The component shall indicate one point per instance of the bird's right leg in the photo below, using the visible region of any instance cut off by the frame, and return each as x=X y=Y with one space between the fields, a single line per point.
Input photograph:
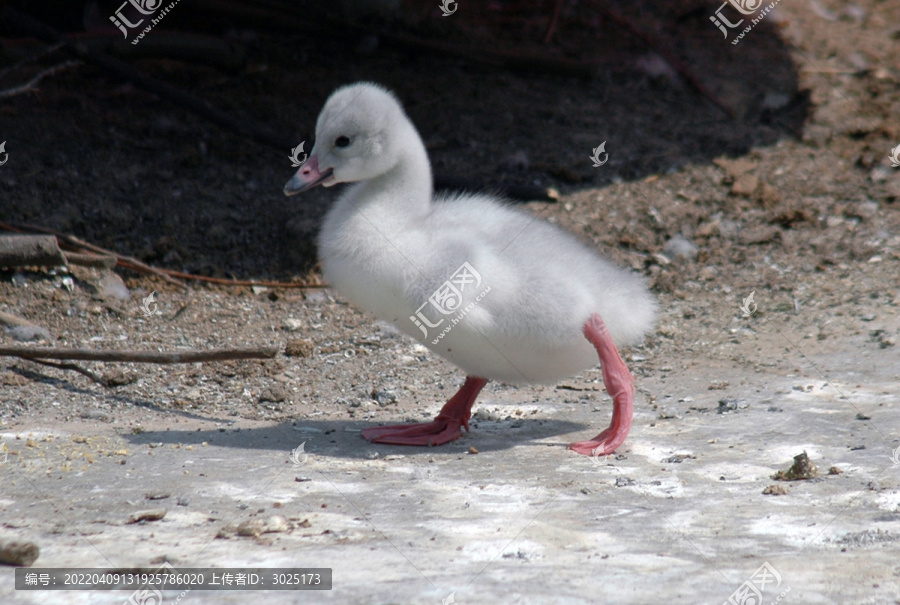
x=619 y=384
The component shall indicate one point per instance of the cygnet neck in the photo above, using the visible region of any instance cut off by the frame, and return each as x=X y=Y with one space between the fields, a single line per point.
x=407 y=186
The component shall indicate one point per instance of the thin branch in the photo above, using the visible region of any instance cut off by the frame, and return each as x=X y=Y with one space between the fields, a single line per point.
x=23 y=329
x=676 y=63
x=34 y=57
x=222 y=281
x=91 y=260
x=36 y=353
x=15 y=320
x=553 y=21
x=73 y=367
x=31 y=85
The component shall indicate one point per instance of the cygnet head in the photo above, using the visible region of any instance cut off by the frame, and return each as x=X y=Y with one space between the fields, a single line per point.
x=361 y=134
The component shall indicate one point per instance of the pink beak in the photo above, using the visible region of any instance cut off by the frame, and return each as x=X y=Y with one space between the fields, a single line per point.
x=307 y=177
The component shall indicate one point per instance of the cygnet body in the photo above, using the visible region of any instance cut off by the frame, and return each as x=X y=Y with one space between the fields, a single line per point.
x=501 y=294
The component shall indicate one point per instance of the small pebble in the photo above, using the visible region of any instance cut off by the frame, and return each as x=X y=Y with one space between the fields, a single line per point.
x=22 y=554
x=276 y=524
x=276 y=394
x=384 y=397
x=298 y=347
x=147 y=515
x=729 y=404
x=292 y=325
x=253 y=528
x=680 y=248
x=801 y=469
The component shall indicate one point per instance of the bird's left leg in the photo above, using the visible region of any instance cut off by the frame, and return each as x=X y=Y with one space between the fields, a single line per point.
x=445 y=428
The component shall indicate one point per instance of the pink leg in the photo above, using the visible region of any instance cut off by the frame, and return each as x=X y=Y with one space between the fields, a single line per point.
x=443 y=429
x=619 y=384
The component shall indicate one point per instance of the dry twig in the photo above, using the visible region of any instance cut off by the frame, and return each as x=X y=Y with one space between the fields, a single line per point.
x=557 y=9
x=42 y=354
x=31 y=85
x=43 y=251
x=159 y=357
x=676 y=63
x=15 y=320
x=105 y=261
x=74 y=368
x=22 y=329
x=44 y=52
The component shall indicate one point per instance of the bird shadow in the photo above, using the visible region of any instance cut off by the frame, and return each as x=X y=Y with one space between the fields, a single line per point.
x=342 y=439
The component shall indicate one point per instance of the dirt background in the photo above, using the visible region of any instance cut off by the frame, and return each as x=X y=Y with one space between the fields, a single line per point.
x=782 y=187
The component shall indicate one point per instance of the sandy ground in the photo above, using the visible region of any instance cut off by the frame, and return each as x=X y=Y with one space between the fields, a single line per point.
x=686 y=512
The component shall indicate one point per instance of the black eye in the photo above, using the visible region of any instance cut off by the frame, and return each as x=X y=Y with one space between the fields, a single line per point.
x=342 y=141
